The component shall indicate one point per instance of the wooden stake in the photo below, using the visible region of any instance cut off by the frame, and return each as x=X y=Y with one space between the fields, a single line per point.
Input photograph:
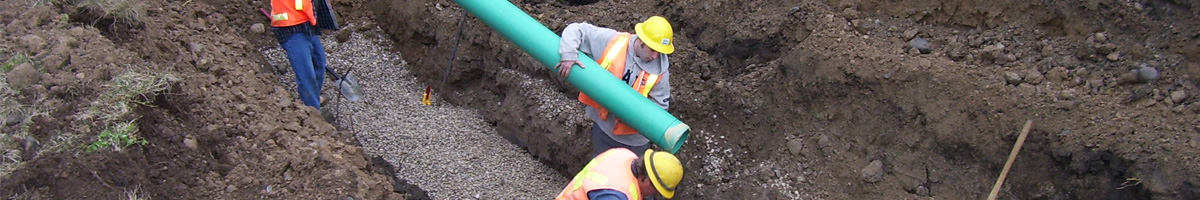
x=1011 y=156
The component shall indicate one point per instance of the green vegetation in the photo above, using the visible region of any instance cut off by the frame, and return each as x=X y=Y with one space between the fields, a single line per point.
x=118 y=101
x=118 y=137
x=16 y=59
x=10 y=146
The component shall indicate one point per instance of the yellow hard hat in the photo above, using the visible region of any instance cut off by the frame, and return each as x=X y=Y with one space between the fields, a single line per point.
x=656 y=32
x=665 y=171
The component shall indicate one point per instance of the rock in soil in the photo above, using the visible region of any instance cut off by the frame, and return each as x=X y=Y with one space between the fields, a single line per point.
x=920 y=44
x=1012 y=78
x=795 y=146
x=13 y=119
x=258 y=28
x=1178 y=96
x=1146 y=74
x=873 y=172
x=1034 y=77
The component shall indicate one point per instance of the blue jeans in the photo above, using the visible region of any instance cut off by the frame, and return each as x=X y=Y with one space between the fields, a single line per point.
x=307 y=56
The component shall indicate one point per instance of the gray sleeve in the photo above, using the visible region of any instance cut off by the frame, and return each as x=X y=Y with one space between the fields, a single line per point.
x=661 y=92
x=583 y=37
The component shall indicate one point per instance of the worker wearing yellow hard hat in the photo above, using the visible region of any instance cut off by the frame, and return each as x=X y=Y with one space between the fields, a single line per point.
x=621 y=174
x=639 y=59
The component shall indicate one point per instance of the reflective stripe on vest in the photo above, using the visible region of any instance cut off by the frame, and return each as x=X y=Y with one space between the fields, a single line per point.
x=286 y=13
x=611 y=53
x=613 y=59
x=612 y=165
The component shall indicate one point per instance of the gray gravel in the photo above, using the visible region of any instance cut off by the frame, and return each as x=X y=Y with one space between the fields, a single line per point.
x=451 y=152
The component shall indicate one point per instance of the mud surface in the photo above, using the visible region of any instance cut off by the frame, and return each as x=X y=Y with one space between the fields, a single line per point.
x=825 y=100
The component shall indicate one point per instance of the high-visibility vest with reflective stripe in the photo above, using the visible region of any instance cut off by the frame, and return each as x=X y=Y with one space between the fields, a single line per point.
x=286 y=13
x=609 y=170
x=613 y=59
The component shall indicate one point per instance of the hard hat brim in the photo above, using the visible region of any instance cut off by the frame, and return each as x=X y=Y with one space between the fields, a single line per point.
x=665 y=49
x=654 y=176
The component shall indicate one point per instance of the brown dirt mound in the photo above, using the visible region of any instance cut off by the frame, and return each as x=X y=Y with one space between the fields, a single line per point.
x=795 y=99
x=225 y=130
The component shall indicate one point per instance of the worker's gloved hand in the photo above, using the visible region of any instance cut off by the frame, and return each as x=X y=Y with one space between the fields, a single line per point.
x=564 y=67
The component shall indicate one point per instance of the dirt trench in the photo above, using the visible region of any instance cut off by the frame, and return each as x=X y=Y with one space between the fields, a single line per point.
x=795 y=100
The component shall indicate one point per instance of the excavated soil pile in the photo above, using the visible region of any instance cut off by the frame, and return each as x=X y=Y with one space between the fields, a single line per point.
x=223 y=128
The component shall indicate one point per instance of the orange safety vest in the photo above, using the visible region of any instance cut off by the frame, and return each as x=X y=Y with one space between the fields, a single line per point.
x=286 y=13
x=613 y=59
x=610 y=170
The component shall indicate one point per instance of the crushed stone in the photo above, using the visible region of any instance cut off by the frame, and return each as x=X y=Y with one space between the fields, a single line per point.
x=451 y=152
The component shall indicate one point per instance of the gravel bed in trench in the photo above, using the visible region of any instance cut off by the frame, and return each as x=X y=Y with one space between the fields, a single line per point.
x=449 y=151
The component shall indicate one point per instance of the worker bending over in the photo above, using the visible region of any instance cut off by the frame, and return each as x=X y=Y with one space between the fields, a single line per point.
x=619 y=174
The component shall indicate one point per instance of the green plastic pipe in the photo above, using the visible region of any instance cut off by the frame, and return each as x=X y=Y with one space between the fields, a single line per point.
x=652 y=121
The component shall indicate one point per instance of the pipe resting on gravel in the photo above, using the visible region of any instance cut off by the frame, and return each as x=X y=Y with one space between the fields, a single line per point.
x=652 y=121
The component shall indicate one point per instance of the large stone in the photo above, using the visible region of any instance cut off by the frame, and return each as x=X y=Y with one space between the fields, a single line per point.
x=1178 y=96
x=190 y=143
x=1146 y=74
x=1012 y=78
x=1034 y=77
x=258 y=28
x=920 y=44
x=910 y=33
x=873 y=172
x=23 y=76
x=796 y=146
x=1101 y=37
x=1114 y=56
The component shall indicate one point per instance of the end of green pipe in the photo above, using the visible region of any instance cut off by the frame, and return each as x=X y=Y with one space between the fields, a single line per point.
x=675 y=136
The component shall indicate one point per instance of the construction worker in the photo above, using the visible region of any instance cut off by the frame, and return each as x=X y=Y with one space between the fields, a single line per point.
x=294 y=24
x=619 y=174
x=638 y=59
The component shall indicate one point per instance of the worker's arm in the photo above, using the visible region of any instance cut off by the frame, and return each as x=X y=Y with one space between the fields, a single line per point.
x=581 y=37
x=606 y=194
x=661 y=92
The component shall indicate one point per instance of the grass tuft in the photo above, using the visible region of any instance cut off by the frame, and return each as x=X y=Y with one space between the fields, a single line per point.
x=127 y=89
x=124 y=93
x=129 y=10
x=135 y=194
